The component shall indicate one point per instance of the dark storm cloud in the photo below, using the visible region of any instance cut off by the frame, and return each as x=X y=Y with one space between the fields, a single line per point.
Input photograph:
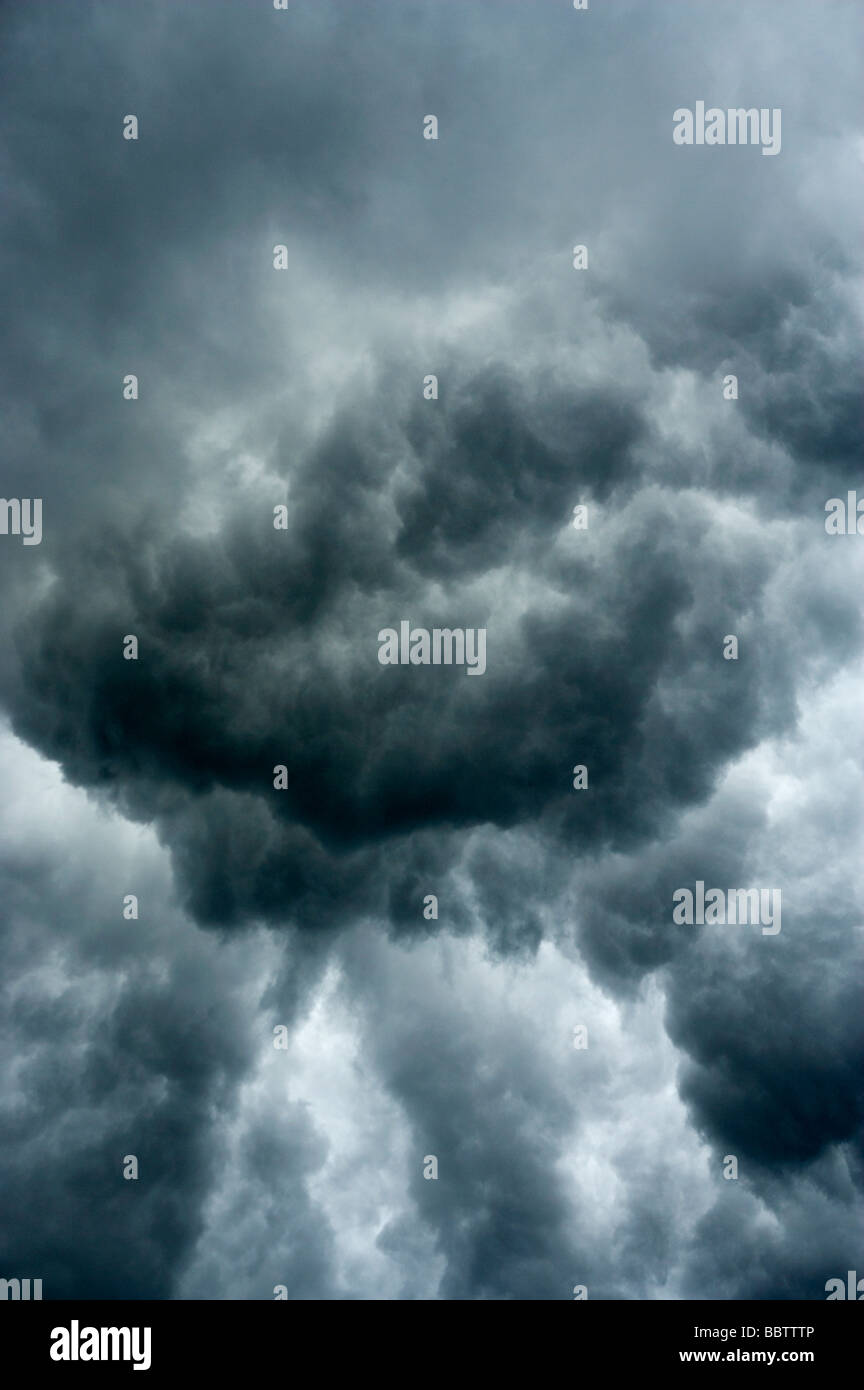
x=130 y=1037
x=770 y=1039
x=498 y=1213
x=534 y=455
x=775 y=1060
x=477 y=1094
x=107 y=1063
x=813 y=1237
x=259 y=647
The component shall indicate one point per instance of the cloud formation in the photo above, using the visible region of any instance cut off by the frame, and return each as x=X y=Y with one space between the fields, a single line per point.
x=258 y=647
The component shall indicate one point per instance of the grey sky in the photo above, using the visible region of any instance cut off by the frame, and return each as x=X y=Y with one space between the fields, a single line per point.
x=259 y=647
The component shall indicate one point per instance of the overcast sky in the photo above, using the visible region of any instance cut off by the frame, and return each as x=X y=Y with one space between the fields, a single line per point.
x=409 y=1037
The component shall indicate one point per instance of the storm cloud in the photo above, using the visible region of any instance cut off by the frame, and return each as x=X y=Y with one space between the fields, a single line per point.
x=411 y=1035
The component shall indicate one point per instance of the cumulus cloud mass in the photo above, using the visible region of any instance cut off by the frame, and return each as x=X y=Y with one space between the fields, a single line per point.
x=288 y=1032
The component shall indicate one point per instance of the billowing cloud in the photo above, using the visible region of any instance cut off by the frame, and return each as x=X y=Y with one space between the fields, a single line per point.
x=258 y=647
